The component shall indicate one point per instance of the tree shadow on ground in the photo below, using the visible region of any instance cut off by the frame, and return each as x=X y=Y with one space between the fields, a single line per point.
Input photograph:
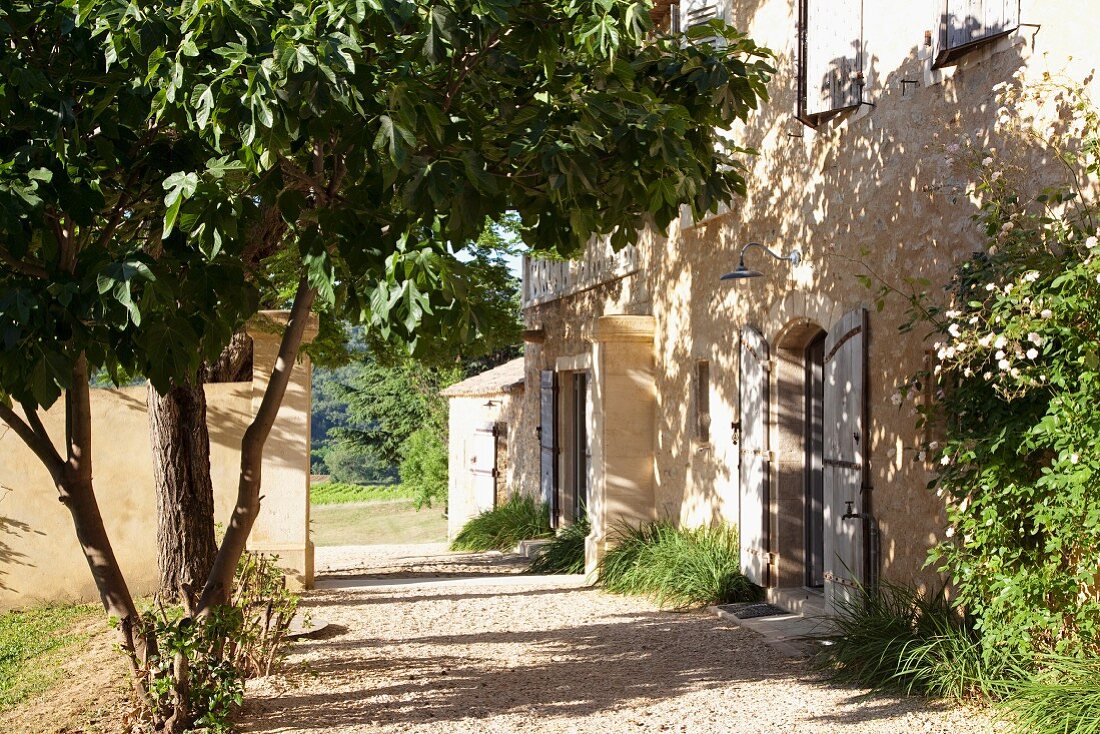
x=572 y=671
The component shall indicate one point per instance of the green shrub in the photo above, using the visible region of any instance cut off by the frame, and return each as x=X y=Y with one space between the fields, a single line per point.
x=424 y=466
x=207 y=660
x=565 y=553
x=353 y=463
x=1016 y=379
x=503 y=527
x=901 y=638
x=338 y=493
x=678 y=567
x=1063 y=699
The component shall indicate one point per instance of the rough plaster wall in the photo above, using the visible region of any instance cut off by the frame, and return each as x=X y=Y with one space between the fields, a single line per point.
x=40 y=559
x=874 y=189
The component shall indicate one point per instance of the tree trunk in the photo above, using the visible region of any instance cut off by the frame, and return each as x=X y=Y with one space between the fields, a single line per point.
x=180 y=440
x=185 y=495
x=219 y=584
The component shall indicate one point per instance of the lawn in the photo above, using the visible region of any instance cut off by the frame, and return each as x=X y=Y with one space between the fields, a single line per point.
x=377 y=523
x=33 y=643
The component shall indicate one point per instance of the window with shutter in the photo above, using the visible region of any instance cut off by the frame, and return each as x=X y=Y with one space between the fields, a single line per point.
x=702 y=401
x=968 y=24
x=830 y=58
x=695 y=13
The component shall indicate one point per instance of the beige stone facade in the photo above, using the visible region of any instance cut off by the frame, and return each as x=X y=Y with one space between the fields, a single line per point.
x=869 y=190
x=40 y=560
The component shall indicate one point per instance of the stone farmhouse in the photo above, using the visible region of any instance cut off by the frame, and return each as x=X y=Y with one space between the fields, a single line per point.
x=657 y=389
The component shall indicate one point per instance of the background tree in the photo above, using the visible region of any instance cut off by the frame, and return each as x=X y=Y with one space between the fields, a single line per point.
x=374 y=137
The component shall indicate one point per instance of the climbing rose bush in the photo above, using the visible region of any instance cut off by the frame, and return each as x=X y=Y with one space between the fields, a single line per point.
x=1011 y=401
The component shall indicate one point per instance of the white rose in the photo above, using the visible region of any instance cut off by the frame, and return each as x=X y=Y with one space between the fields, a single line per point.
x=1046 y=313
x=1091 y=242
x=1032 y=353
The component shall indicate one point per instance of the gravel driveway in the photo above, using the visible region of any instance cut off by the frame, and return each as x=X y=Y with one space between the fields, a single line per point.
x=463 y=650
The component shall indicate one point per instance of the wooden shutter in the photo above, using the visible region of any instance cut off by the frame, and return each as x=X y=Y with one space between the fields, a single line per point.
x=831 y=63
x=698 y=12
x=483 y=467
x=965 y=24
x=548 y=441
x=845 y=438
x=753 y=462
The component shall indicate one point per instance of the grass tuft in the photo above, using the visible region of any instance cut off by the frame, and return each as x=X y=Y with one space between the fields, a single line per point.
x=904 y=639
x=678 y=567
x=1064 y=698
x=503 y=527
x=32 y=644
x=338 y=493
x=565 y=553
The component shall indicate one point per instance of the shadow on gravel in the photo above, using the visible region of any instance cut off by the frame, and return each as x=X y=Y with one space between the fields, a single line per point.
x=653 y=656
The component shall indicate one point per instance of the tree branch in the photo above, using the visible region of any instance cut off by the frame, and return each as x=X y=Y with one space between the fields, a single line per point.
x=42 y=447
x=23 y=268
x=219 y=583
x=35 y=421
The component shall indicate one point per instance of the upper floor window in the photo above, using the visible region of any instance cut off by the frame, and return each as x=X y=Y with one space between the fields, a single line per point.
x=830 y=58
x=968 y=24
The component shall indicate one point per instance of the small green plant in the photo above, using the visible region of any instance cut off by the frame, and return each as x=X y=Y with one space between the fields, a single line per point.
x=338 y=493
x=565 y=553
x=901 y=638
x=195 y=667
x=678 y=567
x=1064 y=698
x=503 y=527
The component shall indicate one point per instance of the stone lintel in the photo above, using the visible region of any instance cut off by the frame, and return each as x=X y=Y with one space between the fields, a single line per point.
x=625 y=328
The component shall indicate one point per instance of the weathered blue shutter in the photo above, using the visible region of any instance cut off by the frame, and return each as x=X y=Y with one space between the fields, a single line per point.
x=832 y=56
x=548 y=444
x=845 y=454
x=753 y=463
x=967 y=23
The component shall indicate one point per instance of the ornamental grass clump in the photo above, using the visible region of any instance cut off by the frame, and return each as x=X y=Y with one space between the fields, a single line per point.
x=901 y=638
x=678 y=567
x=1064 y=698
x=565 y=553
x=503 y=527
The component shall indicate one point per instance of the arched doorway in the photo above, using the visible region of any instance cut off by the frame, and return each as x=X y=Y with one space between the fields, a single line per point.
x=797 y=513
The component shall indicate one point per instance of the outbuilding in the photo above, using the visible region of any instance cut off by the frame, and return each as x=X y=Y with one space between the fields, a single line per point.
x=483 y=412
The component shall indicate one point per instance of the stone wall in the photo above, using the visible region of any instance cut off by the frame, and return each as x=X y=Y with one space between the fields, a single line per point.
x=871 y=191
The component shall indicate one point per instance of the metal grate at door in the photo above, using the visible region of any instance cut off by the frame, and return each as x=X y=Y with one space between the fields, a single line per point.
x=751 y=610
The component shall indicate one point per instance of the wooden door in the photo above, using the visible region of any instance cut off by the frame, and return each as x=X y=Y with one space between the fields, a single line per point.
x=483 y=467
x=845 y=454
x=548 y=442
x=753 y=462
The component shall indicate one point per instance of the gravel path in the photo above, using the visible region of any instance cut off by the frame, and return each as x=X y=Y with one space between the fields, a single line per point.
x=544 y=657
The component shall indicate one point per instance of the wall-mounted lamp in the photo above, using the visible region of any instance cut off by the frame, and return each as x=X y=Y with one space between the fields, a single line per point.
x=743 y=272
